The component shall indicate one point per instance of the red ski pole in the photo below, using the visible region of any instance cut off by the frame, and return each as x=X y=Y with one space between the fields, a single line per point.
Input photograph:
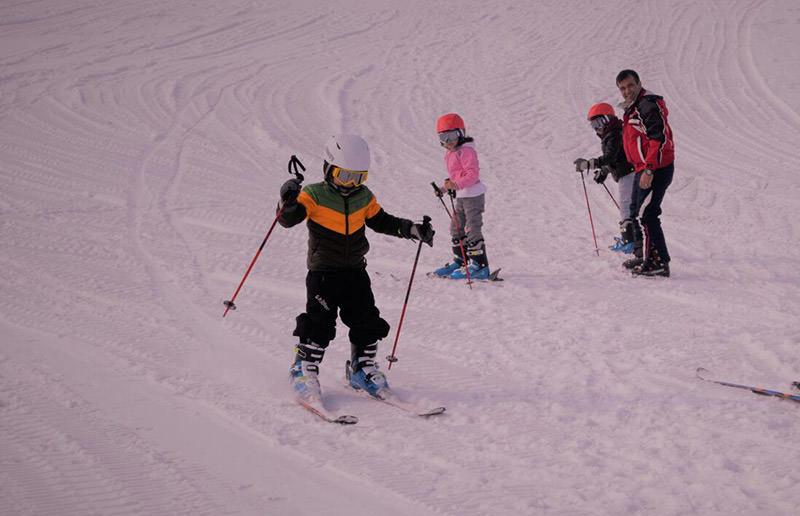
x=454 y=217
x=591 y=221
x=229 y=303
x=439 y=194
x=392 y=358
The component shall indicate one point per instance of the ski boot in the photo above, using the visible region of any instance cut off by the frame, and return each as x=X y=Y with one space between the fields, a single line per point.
x=637 y=257
x=479 y=264
x=303 y=373
x=366 y=376
x=362 y=371
x=304 y=381
x=652 y=267
x=621 y=246
x=476 y=272
x=447 y=269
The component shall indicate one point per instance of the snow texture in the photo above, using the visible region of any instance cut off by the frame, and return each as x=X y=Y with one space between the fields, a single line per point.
x=142 y=146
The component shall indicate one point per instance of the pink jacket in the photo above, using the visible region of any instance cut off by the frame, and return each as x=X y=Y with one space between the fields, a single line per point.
x=464 y=170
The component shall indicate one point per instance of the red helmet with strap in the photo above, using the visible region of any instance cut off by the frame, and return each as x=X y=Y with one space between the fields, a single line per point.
x=603 y=108
x=449 y=122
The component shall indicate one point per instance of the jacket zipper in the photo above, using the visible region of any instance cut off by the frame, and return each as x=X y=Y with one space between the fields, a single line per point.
x=346 y=231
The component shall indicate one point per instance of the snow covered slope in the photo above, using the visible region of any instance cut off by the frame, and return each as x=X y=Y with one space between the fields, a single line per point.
x=142 y=146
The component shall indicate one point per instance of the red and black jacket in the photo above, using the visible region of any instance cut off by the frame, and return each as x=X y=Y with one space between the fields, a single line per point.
x=646 y=134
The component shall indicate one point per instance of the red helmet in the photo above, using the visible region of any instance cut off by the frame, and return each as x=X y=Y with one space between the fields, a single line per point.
x=449 y=122
x=600 y=109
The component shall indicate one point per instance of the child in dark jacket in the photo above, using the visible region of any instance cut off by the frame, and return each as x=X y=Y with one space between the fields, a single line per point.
x=613 y=161
x=337 y=210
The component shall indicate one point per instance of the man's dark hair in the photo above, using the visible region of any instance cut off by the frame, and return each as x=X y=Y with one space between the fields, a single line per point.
x=624 y=74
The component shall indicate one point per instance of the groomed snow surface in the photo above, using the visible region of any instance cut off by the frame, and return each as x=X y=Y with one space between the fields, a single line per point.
x=142 y=146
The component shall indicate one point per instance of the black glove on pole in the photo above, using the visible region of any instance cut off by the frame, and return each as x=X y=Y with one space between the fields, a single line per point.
x=293 y=161
x=392 y=358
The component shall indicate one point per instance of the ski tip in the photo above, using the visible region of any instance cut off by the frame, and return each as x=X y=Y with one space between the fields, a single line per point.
x=346 y=420
x=701 y=372
x=433 y=412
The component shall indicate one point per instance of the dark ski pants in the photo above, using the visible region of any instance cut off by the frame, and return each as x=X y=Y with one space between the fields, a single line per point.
x=647 y=206
x=348 y=293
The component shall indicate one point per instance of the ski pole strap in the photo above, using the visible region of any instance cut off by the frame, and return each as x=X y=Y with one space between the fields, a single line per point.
x=294 y=162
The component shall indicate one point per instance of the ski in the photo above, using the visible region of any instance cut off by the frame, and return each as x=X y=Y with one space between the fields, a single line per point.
x=392 y=399
x=341 y=420
x=393 y=402
x=702 y=374
x=493 y=276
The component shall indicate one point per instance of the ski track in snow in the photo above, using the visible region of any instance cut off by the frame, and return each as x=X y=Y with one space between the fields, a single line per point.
x=141 y=153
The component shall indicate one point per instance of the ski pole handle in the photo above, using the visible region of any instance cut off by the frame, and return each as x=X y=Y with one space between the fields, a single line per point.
x=436 y=189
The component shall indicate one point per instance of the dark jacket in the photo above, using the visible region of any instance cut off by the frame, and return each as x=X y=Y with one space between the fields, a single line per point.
x=613 y=160
x=646 y=134
x=336 y=225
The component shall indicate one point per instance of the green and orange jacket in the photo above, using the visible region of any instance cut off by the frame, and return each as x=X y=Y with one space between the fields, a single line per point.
x=336 y=225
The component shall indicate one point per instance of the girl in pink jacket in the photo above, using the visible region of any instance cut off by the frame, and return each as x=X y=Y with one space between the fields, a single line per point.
x=463 y=173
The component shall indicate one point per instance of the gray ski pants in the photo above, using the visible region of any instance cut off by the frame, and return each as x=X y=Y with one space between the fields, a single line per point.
x=469 y=212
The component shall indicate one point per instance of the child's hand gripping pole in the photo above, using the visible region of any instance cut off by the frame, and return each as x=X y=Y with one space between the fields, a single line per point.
x=293 y=162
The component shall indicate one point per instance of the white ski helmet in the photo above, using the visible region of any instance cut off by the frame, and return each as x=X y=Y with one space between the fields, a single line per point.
x=347 y=151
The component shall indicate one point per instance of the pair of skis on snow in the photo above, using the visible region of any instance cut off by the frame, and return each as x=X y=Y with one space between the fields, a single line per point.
x=702 y=374
x=315 y=407
x=386 y=397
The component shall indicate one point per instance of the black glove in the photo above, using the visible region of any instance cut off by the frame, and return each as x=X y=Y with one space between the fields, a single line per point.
x=289 y=191
x=422 y=232
x=586 y=164
x=600 y=175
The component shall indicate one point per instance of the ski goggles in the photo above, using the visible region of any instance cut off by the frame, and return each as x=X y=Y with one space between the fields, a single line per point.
x=599 y=122
x=349 y=177
x=449 y=136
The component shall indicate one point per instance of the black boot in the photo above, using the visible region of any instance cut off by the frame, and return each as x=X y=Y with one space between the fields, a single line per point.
x=653 y=266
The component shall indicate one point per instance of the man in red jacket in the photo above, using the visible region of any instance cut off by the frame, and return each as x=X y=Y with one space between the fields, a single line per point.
x=648 y=144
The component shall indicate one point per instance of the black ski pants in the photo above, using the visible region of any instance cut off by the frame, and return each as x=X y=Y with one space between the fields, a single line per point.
x=647 y=206
x=348 y=293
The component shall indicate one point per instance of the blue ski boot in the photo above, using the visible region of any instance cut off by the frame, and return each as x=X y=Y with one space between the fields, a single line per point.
x=621 y=246
x=476 y=272
x=448 y=268
x=365 y=375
